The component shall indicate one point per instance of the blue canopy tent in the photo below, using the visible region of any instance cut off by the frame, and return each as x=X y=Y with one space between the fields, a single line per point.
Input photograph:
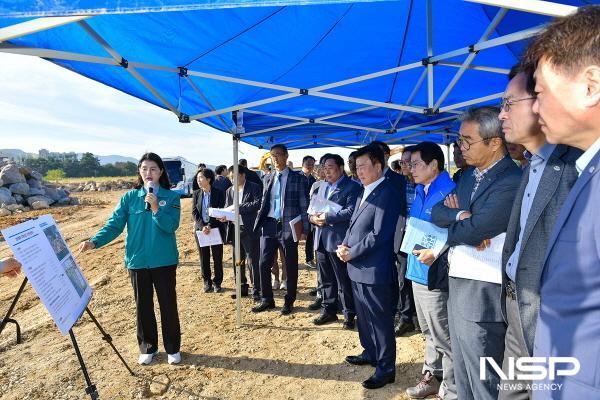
x=306 y=73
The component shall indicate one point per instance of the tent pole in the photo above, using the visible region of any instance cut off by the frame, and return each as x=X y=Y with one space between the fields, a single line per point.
x=429 y=54
x=448 y=153
x=236 y=203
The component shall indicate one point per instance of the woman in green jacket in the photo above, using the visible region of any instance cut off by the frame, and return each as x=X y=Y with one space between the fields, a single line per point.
x=151 y=213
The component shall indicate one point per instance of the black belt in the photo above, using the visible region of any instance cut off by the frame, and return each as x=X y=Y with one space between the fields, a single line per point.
x=511 y=289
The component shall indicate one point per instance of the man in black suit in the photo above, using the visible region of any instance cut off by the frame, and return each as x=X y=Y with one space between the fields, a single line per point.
x=331 y=227
x=221 y=181
x=285 y=197
x=368 y=249
x=251 y=176
x=308 y=167
x=250 y=196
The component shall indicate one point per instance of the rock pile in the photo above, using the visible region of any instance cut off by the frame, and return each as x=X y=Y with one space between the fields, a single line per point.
x=105 y=186
x=22 y=189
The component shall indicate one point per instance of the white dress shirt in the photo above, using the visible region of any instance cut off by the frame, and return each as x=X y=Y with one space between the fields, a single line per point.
x=370 y=187
x=583 y=161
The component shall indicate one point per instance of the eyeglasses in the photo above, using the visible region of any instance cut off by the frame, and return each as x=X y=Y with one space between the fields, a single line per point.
x=506 y=103
x=462 y=142
x=405 y=163
x=415 y=164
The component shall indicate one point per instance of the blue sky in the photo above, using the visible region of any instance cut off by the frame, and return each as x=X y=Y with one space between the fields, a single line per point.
x=45 y=106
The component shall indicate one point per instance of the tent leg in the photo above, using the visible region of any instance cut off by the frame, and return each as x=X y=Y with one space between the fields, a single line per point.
x=448 y=154
x=236 y=224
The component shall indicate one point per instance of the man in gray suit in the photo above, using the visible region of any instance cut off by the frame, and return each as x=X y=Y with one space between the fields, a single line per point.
x=567 y=60
x=546 y=182
x=477 y=210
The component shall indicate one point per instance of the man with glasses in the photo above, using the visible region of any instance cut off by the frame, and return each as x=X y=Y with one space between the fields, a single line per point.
x=285 y=197
x=545 y=185
x=566 y=59
x=406 y=302
x=477 y=210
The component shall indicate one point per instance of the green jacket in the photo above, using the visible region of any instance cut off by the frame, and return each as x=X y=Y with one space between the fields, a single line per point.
x=150 y=240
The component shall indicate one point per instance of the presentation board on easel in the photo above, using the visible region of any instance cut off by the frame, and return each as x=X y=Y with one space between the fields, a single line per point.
x=51 y=269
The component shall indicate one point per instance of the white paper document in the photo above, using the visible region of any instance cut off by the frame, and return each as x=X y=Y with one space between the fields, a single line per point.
x=213 y=238
x=424 y=234
x=320 y=204
x=221 y=212
x=51 y=269
x=486 y=265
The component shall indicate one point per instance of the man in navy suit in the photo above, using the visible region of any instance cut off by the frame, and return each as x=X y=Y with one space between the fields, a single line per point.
x=331 y=227
x=250 y=196
x=368 y=249
x=285 y=197
x=567 y=73
x=221 y=181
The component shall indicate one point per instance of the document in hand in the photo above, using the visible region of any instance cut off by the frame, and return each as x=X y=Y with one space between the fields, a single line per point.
x=221 y=212
x=486 y=265
x=424 y=234
x=320 y=204
x=212 y=239
x=297 y=228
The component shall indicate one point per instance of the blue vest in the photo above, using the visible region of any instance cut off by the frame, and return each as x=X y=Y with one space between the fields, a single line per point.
x=441 y=186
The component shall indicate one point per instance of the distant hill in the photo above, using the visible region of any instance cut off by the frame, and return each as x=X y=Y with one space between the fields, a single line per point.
x=113 y=159
x=18 y=154
x=13 y=153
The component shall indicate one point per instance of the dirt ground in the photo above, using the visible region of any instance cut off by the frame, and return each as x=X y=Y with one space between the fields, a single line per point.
x=269 y=357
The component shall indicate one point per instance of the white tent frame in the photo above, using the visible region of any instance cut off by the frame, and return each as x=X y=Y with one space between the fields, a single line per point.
x=434 y=106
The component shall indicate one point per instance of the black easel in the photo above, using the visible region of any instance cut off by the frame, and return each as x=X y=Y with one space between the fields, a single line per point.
x=4 y=321
x=91 y=388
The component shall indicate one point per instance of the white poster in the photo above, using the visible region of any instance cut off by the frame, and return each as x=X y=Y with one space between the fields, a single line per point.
x=51 y=269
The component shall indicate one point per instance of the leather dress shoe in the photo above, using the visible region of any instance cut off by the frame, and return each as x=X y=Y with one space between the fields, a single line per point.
x=324 y=319
x=403 y=328
x=218 y=289
x=359 y=360
x=376 y=382
x=244 y=294
x=286 y=309
x=208 y=288
x=263 y=306
x=349 y=324
x=315 y=305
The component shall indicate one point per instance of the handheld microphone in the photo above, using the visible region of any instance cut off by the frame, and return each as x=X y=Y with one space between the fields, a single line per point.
x=150 y=187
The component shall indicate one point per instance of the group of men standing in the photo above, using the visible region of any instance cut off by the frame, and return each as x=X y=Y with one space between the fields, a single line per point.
x=548 y=301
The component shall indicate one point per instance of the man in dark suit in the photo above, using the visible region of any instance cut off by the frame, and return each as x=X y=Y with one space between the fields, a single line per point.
x=406 y=305
x=308 y=167
x=478 y=210
x=368 y=249
x=251 y=176
x=567 y=73
x=250 y=197
x=221 y=181
x=546 y=182
x=331 y=227
x=285 y=197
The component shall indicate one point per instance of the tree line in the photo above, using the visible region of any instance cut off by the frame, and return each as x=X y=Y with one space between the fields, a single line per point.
x=88 y=165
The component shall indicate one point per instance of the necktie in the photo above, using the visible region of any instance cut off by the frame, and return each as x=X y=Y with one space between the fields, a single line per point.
x=277 y=197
